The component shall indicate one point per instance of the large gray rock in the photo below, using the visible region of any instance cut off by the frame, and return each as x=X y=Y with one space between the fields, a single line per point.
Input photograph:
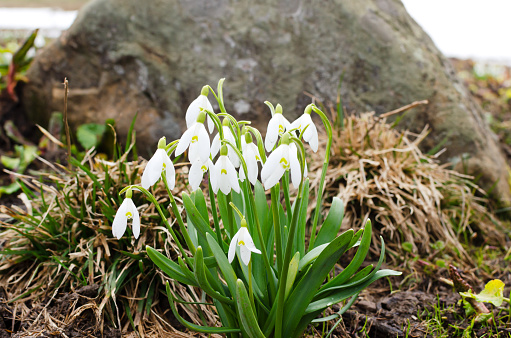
x=124 y=56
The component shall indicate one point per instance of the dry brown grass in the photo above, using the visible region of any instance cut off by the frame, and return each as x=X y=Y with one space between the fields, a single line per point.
x=382 y=174
x=44 y=296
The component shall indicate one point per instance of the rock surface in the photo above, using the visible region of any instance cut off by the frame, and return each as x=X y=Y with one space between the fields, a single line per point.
x=124 y=56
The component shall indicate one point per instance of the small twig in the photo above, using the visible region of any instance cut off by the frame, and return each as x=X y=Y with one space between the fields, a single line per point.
x=404 y=108
x=66 y=125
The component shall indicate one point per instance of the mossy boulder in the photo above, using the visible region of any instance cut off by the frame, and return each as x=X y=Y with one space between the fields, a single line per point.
x=128 y=56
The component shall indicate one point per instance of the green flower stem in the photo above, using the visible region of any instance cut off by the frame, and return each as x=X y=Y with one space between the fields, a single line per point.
x=220 y=97
x=230 y=216
x=164 y=219
x=328 y=127
x=250 y=291
x=250 y=193
x=285 y=268
x=275 y=201
x=289 y=247
x=169 y=146
x=261 y=240
x=285 y=188
x=179 y=219
x=215 y=215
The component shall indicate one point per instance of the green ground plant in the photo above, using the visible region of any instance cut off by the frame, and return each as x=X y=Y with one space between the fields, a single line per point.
x=277 y=286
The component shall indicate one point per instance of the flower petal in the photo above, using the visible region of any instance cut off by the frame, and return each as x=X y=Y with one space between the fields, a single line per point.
x=204 y=147
x=249 y=243
x=272 y=133
x=152 y=171
x=193 y=111
x=196 y=173
x=245 y=254
x=274 y=178
x=271 y=163
x=214 y=173
x=170 y=172
x=184 y=141
x=120 y=219
x=135 y=224
x=232 y=247
x=215 y=146
x=296 y=173
x=232 y=175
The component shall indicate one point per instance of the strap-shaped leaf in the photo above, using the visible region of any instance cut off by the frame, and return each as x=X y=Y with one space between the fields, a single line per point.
x=302 y=220
x=291 y=274
x=246 y=312
x=192 y=326
x=200 y=224
x=223 y=263
x=200 y=276
x=343 y=294
x=311 y=256
x=169 y=267
x=309 y=284
x=332 y=223
x=357 y=260
x=184 y=269
x=359 y=277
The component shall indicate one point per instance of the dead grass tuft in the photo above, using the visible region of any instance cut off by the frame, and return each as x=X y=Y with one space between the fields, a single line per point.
x=61 y=240
x=382 y=174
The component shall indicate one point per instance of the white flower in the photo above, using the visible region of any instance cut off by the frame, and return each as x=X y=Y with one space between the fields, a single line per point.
x=224 y=175
x=197 y=138
x=215 y=146
x=285 y=157
x=311 y=133
x=277 y=125
x=126 y=211
x=197 y=171
x=152 y=172
x=197 y=106
x=251 y=156
x=246 y=244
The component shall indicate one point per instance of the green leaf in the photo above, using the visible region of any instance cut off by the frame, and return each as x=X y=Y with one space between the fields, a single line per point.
x=357 y=260
x=20 y=54
x=407 y=246
x=493 y=293
x=246 y=312
x=89 y=135
x=170 y=268
x=196 y=217
x=200 y=275
x=309 y=284
x=332 y=224
x=343 y=294
x=311 y=256
x=223 y=263
x=9 y=189
x=291 y=275
x=192 y=326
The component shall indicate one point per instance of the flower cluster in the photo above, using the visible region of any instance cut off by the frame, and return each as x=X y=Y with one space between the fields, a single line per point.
x=277 y=292
x=238 y=156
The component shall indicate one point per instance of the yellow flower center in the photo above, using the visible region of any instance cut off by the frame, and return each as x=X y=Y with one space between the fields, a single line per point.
x=195 y=139
x=204 y=168
x=257 y=158
x=284 y=163
x=164 y=167
x=129 y=215
x=223 y=171
x=241 y=243
x=281 y=128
